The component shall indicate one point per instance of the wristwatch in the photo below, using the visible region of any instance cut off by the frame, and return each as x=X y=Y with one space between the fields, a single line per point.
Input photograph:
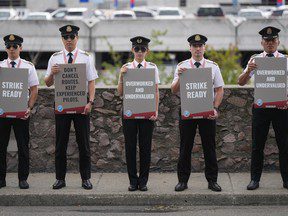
x=91 y=102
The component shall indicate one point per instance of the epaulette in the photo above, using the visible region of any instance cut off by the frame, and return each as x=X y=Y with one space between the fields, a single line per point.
x=125 y=65
x=182 y=62
x=212 y=62
x=84 y=52
x=28 y=62
x=151 y=63
x=254 y=55
x=57 y=53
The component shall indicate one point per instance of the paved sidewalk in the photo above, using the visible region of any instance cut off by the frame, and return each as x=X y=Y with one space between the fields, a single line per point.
x=111 y=189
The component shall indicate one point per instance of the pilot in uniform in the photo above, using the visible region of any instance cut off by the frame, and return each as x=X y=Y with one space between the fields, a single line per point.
x=207 y=127
x=72 y=54
x=13 y=44
x=262 y=117
x=141 y=129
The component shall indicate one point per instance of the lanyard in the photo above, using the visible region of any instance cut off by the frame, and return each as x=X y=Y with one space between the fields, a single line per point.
x=74 y=59
x=193 y=66
x=10 y=66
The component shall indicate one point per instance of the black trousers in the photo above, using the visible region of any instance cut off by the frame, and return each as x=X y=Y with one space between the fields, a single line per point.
x=21 y=130
x=143 y=130
x=207 y=130
x=261 y=120
x=82 y=129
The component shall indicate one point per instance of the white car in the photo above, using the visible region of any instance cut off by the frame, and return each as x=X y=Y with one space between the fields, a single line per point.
x=59 y=14
x=38 y=16
x=169 y=13
x=98 y=14
x=8 y=14
x=252 y=13
x=76 y=13
x=123 y=14
x=143 y=12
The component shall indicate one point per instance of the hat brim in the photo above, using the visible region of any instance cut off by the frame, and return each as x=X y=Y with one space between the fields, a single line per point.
x=71 y=33
x=270 y=37
x=13 y=42
x=195 y=43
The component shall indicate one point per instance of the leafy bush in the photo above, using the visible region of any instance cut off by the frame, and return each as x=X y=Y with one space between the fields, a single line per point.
x=228 y=61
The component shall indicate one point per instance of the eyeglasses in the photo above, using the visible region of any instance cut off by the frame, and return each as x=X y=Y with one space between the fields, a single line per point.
x=15 y=46
x=138 y=48
x=66 y=37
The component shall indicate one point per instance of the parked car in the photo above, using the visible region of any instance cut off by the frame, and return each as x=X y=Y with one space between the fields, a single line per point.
x=76 y=13
x=210 y=10
x=123 y=14
x=8 y=14
x=59 y=14
x=38 y=16
x=142 y=12
x=279 y=11
x=169 y=13
x=252 y=13
x=99 y=14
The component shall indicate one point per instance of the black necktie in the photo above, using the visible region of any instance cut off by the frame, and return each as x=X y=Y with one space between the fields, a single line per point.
x=270 y=55
x=13 y=64
x=139 y=66
x=197 y=64
x=70 y=60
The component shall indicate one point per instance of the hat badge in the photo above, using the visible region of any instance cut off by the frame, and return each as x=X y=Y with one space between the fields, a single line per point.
x=11 y=37
x=197 y=38
x=269 y=31
x=139 y=40
x=69 y=29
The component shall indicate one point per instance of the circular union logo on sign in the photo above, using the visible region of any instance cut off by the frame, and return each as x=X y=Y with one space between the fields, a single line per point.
x=186 y=113
x=259 y=102
x=60 y=108
x=1 y=111
x=128 y=113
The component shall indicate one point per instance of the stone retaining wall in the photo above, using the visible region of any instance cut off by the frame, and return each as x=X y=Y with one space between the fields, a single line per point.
x=107 y=141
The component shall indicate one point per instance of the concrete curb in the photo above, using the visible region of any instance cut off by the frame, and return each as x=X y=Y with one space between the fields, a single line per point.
x=110 y=189
x=141 y=200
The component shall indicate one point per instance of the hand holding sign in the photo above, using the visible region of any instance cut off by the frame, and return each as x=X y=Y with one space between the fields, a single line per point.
x=27 y=114
x=55 y=69
x=251 y=66
x=181 y=70
x=214 y=116
x=154 y=117
x=87 y=109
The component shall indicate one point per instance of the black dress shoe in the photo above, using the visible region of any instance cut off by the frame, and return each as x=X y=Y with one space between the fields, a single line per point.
x=143 y=188
x=23 y=184
x=86 y=184
x=2 y=183
x=285 y=184
x=253 y=185
x=214 y=186
x=181 y=186
x=59 y=184
x=132 y=188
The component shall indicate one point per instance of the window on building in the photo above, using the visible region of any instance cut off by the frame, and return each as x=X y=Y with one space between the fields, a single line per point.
x=183 y=3
x=13 y=3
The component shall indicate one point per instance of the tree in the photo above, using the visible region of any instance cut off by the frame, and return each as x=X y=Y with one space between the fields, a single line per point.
x=228 y=61
x=111 y=70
